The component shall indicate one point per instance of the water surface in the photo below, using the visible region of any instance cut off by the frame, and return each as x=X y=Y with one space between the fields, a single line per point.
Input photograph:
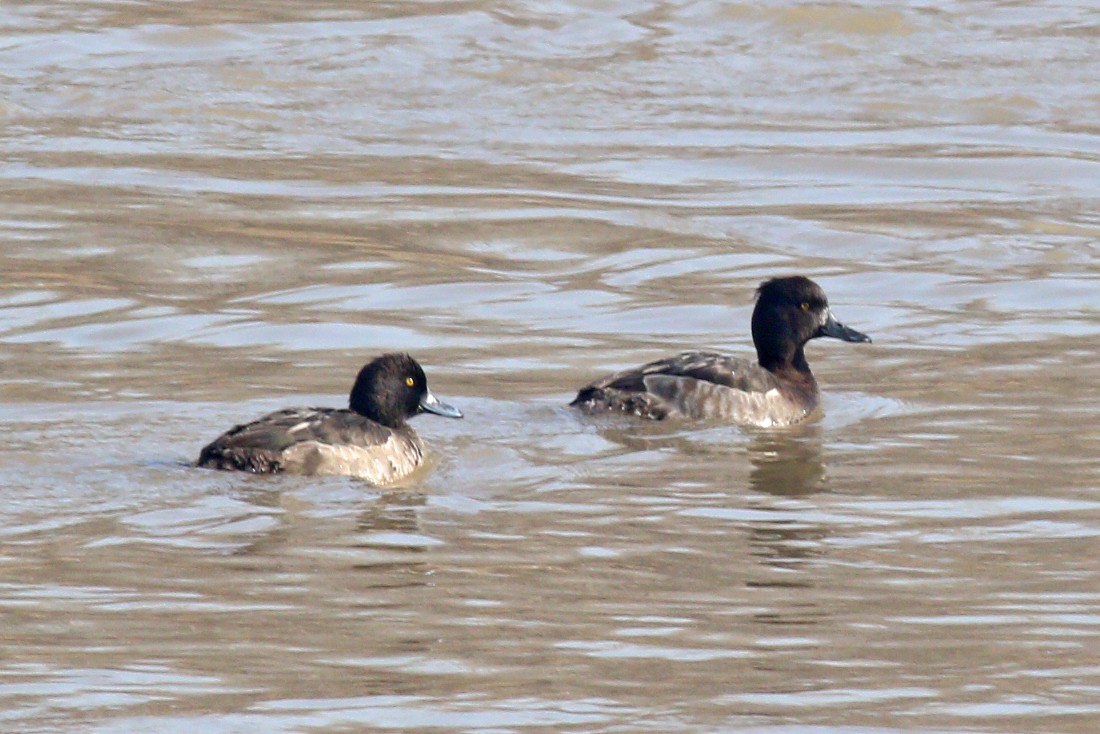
x=212 y=211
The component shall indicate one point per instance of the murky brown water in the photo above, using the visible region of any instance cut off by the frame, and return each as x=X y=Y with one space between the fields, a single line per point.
x=209 y=210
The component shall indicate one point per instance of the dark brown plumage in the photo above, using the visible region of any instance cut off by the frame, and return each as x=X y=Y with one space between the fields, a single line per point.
x=371 y=439
x=779 y=389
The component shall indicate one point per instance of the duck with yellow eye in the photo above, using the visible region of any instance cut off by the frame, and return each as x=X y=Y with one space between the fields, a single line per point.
x=371 y=439
x=777 y=390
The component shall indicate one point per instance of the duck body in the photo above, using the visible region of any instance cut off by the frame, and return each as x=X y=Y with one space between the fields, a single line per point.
x=370 y=440
x=315 y=441
x=703 y=386
x=777 y=390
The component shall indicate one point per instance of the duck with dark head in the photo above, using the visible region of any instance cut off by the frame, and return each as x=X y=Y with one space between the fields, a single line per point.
x=371 y=439
x=778 y=390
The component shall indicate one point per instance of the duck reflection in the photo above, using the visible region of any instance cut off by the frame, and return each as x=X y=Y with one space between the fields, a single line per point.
x=387 y=533
x=392 y=512
x=787 y=463
x=381 y=533
x=710 y=468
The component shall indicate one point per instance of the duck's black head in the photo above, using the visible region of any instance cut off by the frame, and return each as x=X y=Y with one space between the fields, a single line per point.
x=789 y=312
x=393 y=388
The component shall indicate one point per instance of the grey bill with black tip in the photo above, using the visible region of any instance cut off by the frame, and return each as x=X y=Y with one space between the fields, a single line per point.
x=837 y=330
x=430 y=404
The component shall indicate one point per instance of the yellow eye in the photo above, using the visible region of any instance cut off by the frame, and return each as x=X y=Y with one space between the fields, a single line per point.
x=805 y=305
x=410 y=381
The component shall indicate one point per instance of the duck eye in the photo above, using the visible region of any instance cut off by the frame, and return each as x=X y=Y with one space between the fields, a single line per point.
x=805 y=305
x=410 y=381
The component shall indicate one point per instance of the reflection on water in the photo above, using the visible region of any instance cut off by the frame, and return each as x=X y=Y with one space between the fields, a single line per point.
x=786 y=464
x=212 y=211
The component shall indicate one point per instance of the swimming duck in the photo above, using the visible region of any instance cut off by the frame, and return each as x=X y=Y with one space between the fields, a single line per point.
x=779 y=390
x=370 y=439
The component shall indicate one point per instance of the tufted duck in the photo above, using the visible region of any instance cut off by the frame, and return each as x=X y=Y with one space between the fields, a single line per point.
x=780 y=390
x=371 y=440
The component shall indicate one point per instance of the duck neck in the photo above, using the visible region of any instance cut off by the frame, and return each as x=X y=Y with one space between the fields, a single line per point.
x=796 y=380
x=793 y=362
x=798 y=361
x=372 y=409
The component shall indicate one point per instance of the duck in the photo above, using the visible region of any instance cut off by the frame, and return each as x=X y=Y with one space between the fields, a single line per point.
x=777 y=390
x=370 y=439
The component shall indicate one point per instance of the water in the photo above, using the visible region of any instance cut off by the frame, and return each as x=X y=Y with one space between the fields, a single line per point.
x=211 y=211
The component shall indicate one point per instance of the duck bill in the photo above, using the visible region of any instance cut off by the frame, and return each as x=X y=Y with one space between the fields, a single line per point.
x=430 y=404
x=837 y=330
